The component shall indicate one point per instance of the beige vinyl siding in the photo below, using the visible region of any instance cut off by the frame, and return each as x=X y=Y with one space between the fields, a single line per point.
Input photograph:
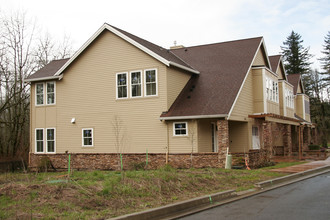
x=280 y=72
x=184 y=144
x=244 y=104
x=87 y=92
x=299 y=105
x=205 y=135
x=299 y=89
x=258 y=94
x=239 y=140
x=260 y=59
x=176 y=80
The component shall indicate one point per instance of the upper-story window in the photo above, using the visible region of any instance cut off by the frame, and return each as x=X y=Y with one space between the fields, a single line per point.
x=289 y=99
x=121 y=85
x=39 y=94
x=136 y=84
x=271 y=90
x=151 y=82
x=47 y=90
x=50 y=93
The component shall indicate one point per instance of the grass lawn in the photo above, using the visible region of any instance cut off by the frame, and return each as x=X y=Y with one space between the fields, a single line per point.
x=104 y=194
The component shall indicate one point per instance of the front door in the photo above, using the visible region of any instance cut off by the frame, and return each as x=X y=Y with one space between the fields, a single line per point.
x=214 y=137
x=255 y=138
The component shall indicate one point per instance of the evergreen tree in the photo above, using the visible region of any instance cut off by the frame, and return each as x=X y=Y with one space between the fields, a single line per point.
x=325 y=61
x=296 y=57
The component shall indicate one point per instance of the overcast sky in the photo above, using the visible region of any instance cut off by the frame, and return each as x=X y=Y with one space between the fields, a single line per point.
x=190 y=22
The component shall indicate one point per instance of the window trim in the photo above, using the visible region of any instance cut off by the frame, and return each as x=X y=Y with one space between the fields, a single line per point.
x=180 y=135
x=127 y=81
x=46 y=83
x=145 y=82
x=36 y=94
x=130 y=83
x=35 y=141
x=82 y=137
x=54 y=141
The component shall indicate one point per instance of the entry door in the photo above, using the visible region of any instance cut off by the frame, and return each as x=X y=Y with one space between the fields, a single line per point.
x=214 y=138
x=255 y=138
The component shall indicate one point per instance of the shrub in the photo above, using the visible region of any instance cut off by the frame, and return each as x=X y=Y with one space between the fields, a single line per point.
x=313 y=147
x=137 y=165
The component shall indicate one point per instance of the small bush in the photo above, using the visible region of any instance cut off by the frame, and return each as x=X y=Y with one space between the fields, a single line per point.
x=137 y=165
x=313 y=147
x=44 y=164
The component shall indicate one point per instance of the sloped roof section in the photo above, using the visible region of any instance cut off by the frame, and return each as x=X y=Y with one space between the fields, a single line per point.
x=47 y=71
x=223 y=67
x=294 y=79
x=165 y=53
x=274 y=62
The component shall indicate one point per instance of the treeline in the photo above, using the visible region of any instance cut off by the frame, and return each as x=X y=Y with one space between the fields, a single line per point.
x=24 y=48
x=316 y=82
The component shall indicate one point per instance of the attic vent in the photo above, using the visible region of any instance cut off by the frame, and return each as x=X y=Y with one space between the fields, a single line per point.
x=176 y=46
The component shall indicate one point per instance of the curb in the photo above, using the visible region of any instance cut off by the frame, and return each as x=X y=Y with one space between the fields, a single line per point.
x=180 y=207
x=287 y=178
x=199 y=204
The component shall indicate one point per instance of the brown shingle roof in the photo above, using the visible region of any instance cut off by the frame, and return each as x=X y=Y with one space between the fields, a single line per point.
x=49 y=70
x=223 y=67
x=274 y=61
x=294 y=79
x=165 y=53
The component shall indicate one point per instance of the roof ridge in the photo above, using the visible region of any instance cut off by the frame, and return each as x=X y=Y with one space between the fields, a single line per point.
x=223 y=42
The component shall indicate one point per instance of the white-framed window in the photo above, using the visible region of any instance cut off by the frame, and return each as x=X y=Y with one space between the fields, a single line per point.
x=150 y=79
x=180 y=128
x=50 y=89
x=136 y=84
x=87 y=137
x=50 y=140
x=39 y=140
x=121 y=84
x=39 y=94
x=271 y=90
x=289 y=98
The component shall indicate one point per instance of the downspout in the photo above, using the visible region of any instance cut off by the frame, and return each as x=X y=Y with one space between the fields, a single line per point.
x=30 y=144
x=168 y=145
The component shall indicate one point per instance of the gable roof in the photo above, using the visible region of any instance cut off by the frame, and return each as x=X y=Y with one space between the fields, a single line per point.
x=276 y=62
x=295 y=80
x=161 y=54
x=48 y=71
x=223 y=68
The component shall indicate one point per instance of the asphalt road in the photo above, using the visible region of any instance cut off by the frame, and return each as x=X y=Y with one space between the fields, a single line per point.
x=308 y=199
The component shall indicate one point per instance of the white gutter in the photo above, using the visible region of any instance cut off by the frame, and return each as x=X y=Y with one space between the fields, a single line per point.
x=183 y=67
x=43 y=78
x=194 y=117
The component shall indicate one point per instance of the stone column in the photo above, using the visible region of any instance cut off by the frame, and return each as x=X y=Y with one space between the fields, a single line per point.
x=267 y=137
x=307 y=138
x=223 y=140
x=287 y=140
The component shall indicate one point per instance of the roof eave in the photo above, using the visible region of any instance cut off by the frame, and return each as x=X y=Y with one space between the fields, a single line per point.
x=169 y=118
x=42 y=79
x=126 y=38
x=183 y=67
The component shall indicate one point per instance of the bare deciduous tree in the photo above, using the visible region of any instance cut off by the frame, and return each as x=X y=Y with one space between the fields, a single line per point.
x=20 y=56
